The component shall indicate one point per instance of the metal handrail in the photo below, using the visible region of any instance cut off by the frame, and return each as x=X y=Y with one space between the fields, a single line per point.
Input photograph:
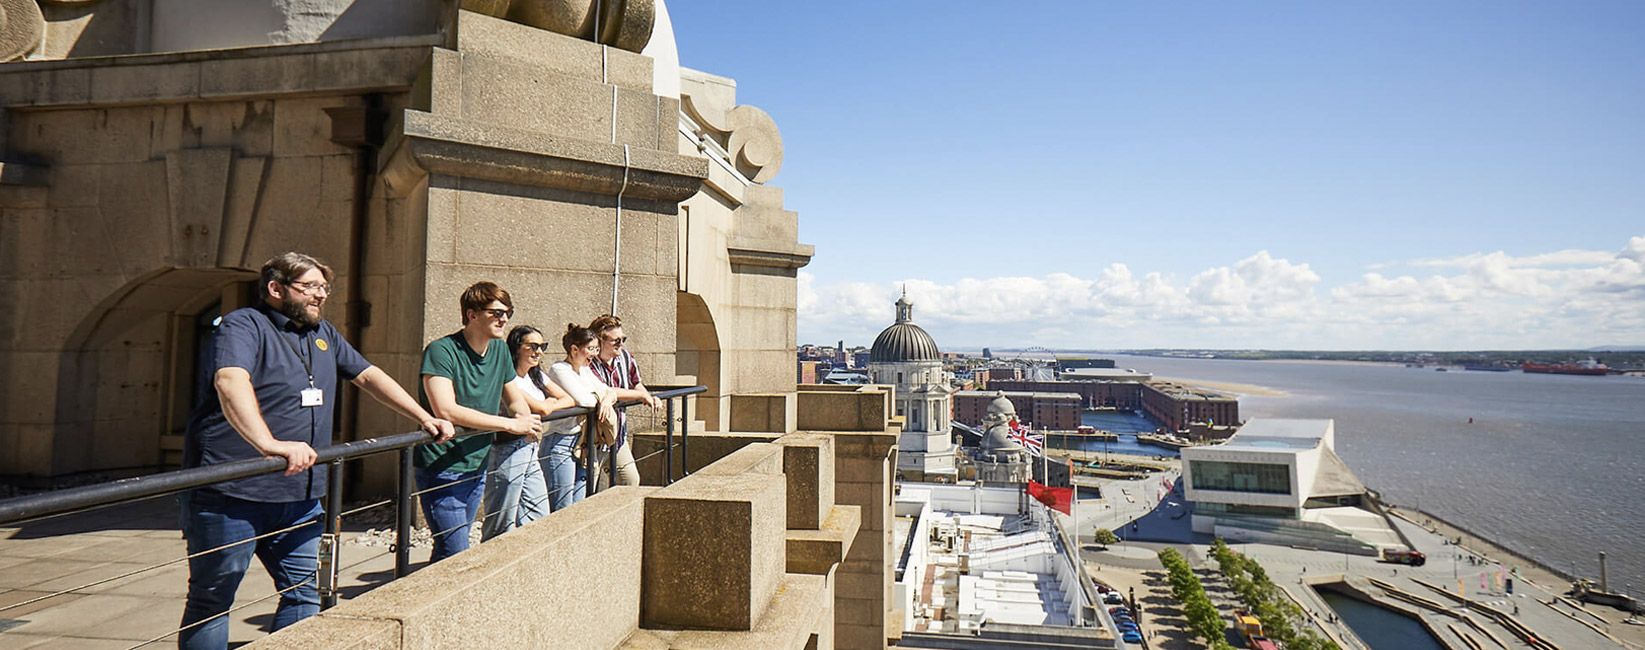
x=18 y=509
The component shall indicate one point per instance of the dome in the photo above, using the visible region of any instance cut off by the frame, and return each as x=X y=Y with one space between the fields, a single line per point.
x=1001 y=405
x=904 y=341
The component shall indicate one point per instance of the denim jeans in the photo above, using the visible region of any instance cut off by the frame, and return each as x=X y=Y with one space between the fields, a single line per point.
x=449 y=503
x=561 y=471
x=211 y=520
x=515 y=493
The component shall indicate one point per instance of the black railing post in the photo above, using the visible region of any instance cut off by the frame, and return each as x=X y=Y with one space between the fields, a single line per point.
x=668 y=449
x=403 y=515
x=612 y=460
x=590 y=432
x=685 y=431
x=331 y=542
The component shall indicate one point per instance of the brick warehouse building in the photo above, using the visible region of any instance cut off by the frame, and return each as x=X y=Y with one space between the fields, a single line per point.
x=1042 y=410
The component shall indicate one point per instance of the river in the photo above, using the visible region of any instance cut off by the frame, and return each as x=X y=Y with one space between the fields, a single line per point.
x=1550 y=466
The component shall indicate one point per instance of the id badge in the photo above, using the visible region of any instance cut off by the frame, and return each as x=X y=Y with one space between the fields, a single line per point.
x=313 y=397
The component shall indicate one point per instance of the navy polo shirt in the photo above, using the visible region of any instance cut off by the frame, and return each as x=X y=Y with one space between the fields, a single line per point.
x=267 y=344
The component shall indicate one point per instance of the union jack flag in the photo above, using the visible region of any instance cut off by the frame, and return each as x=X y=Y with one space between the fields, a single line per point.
x=1033 y=442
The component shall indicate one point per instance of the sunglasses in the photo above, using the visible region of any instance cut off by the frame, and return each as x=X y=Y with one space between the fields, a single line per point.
x=615 y=341
x=499 y=314
x=534 y=347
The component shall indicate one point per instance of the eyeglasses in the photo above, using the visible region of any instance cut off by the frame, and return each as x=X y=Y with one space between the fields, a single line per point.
x=311 y=288
x=535 y=347
x=615 y=341
x=499 y=314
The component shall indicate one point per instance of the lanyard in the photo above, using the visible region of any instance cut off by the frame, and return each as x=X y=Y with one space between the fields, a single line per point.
x=307 y=366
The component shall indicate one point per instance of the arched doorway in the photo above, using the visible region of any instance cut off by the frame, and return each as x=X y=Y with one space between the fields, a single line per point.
x=133 y=369
x=697 y=352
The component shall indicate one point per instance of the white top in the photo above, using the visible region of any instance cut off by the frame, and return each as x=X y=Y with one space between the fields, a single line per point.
x=583 y=387
x=524 y=383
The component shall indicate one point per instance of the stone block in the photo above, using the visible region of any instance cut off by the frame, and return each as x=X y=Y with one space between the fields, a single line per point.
x=439 y=86
x=857 y=637
x=819 y=551
x=261 y=75
x=111 y=84
x=799 y=611
x=562 y=563
x=197 y=182
x=726 y=576
x=702 y=450
x=753 y=458
x=637 y=118
x=340 y=632
x=139 y=220
x=302 y=127
x=533 y=228
x=574 y=57
x=442 y=213
x=808 y=462
x=763 y=412
x=72 y=186
x=509 y=91
x=835 y=411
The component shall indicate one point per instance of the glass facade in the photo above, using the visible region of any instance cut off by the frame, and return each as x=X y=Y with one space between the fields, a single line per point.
x=1259 y=478
x=1239 y=509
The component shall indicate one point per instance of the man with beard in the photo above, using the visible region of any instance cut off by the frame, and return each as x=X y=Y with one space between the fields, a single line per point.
x=275 y=369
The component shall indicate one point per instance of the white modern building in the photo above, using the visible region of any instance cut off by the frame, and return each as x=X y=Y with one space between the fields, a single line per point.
x=1280 y=481
x=906 y=357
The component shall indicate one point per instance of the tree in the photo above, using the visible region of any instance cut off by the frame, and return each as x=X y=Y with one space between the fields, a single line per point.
x=1104 y=537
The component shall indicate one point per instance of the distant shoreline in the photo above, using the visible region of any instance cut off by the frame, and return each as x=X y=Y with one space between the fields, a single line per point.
x=1242 y=390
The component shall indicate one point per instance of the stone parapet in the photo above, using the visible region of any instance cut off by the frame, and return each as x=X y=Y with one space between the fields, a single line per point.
x=497 y=594
x=763 y=412
x=842 y=408
x=718 y=564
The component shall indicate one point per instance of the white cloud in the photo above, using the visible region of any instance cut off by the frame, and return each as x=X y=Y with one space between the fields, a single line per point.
x=1556 y=299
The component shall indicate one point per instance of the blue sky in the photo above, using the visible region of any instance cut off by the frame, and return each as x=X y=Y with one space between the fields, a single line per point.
x=1297 y=174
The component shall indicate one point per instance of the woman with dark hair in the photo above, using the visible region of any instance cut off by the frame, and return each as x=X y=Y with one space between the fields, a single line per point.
x=573 y=376
x=516 y=493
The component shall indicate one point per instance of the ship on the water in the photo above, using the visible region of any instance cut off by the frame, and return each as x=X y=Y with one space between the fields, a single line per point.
x=1485 y=367
x=1164 y=440
x=1584 y=367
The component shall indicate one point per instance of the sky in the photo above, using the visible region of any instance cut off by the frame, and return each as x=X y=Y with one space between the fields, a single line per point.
x=1284 y=175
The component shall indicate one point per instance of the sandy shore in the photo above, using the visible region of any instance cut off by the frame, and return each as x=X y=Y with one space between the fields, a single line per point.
x=1243 y=390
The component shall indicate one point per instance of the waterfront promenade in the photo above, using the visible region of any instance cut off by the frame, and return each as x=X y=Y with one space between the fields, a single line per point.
x=1132 y=564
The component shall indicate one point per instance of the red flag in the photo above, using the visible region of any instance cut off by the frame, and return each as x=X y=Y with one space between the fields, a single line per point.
x=1060 y=499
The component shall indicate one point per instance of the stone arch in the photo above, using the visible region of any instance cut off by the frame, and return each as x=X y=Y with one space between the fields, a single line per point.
x=129 y=373
x=697 y=352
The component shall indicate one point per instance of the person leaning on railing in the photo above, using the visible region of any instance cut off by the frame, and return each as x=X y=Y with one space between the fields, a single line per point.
x=574 y=377
x=516 y=493
x=466 y=379
x=617 y=368
x=275 y=368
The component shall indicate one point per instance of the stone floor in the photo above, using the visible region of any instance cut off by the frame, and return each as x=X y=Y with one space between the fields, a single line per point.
x=71 y=552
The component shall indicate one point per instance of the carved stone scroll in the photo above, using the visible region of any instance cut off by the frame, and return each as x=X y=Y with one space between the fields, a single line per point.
x=22 y=29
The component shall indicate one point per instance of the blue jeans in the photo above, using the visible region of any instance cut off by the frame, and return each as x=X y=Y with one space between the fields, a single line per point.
x=515 y=494
x=449 y=509
x=562 y=472
x=211 y=520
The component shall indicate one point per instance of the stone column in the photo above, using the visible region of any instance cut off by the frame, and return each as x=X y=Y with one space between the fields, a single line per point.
x=863 y=464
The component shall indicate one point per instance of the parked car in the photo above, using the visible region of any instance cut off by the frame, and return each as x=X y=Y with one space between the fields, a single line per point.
x=1119 y=610
x=1113 y=598
x=1131 y=637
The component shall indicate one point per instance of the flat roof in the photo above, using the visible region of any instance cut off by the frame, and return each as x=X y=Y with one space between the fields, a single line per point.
x=1018 y=393
x=1278 y=434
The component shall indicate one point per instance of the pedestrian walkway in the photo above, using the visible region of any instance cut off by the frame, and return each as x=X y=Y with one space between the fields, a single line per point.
x=128 y=587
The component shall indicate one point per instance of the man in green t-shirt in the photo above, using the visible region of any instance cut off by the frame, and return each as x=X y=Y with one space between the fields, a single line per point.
x=466 y=379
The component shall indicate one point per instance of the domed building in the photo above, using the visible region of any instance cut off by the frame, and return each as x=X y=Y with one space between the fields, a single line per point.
x=905 y=356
